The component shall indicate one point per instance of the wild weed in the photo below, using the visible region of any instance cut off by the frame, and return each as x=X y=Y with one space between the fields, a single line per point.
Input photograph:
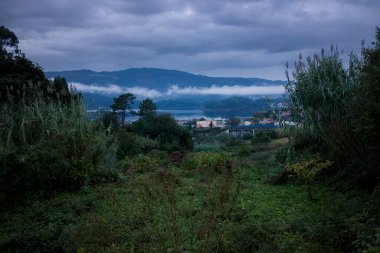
x=50 y=147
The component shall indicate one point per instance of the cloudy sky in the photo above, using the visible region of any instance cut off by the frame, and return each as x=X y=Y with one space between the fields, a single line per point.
x=251 y=38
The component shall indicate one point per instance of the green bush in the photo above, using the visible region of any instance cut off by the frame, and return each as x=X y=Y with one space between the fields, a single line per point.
x=148 y=162
x=261 y=137
x=338 y=104
x=48 y=147
x=247 y=136
x=245 y=149
x=163 y=128
x=208 y=162
x=130 y=144
x=207 y=147
x=230 y=141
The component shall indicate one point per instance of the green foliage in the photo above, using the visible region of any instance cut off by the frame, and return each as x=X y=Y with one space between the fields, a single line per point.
x=147 y=106
x=130 y=144
x=369 y=107
x=209 y=162
x=189 y=206
x=367 y=115
x=187 y=202
x=7 y=38
x=23 y=81
x=187 y=215
x=147 y=163
x=171 y=207
x=369 y=243
x=336 y=107
x=321 y=99
x=164 y=129
x=59 y=90
x=247 y=136
x=50 y=148
x=260 y=138
x=308 y=170
x=109 y=120
x=245 y=149
x=236 y=106
x=264 y=136
x=230 y=141
x=121 y=104
x=207 y=147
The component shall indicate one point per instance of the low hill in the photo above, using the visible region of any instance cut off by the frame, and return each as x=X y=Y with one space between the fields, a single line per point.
x=154 y=78
x=241 y=106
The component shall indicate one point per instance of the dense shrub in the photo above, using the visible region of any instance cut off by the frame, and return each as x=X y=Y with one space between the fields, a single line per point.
x=261 y=137
x=207 y=147
x=264 y=136
x=164 y=129
x=130 y=144
x=338 y=108
x=209 y=162
x=247 y=136
x=230 y=141
x=143 y=163
x=245 y=149
x=48 y=147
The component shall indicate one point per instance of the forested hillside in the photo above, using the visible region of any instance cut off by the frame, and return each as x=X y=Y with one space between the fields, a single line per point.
x=153 y=78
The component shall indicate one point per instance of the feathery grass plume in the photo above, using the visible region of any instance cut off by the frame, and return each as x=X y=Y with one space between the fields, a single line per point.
x=51 y=147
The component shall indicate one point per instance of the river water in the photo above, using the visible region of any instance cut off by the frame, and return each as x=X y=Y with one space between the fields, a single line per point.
x=180 y=115
x=177 y=114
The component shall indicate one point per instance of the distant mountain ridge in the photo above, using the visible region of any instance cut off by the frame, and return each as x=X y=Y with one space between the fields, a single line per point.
x=155 y=78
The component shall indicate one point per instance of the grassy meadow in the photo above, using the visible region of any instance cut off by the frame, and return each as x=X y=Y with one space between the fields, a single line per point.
x=192 y=204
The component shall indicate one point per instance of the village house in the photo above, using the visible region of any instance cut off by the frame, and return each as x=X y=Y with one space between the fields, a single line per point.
x=210 y=123
x=203 y=124
x=266 y=121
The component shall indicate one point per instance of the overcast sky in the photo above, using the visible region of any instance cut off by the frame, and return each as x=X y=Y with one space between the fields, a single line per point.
x=213 y=37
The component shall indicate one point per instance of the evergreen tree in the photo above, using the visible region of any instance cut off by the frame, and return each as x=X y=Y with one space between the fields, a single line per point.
x=147 y=106
x=121 y=104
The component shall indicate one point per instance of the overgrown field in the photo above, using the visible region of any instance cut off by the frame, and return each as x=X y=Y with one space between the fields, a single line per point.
x=210 y=201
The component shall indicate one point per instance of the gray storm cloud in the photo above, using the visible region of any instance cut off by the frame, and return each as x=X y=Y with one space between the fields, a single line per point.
x=224 y=37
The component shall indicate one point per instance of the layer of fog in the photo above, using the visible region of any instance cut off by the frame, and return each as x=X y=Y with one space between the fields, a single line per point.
x=174 y=90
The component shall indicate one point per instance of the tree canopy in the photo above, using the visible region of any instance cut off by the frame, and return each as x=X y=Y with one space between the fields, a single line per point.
x=233 y=121
x=122 y=103
x=7 y=38
x=23 y=80
x=147 y=106
x=162 y=128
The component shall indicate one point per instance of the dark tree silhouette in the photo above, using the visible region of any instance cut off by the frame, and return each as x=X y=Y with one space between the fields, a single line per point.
x=147 y=106
x=121 y=104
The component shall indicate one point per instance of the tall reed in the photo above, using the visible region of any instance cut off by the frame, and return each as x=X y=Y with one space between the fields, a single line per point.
x=50 y=147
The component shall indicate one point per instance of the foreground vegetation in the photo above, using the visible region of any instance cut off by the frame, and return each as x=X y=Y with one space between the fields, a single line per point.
x=71 y=184
x=194 y=204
